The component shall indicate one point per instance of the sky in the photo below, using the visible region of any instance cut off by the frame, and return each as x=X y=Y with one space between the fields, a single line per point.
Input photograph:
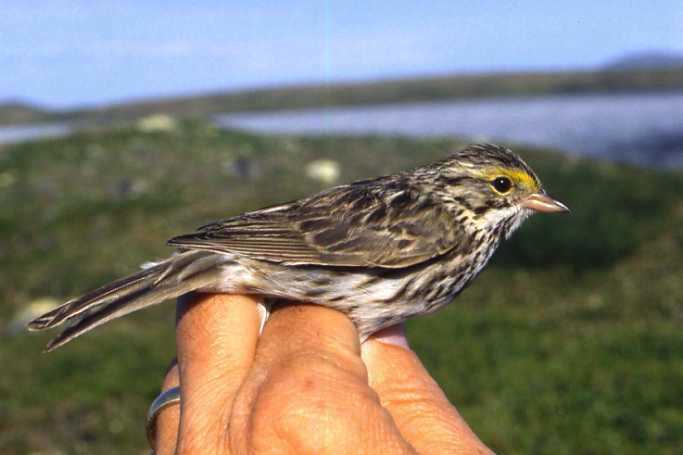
x=65 y=53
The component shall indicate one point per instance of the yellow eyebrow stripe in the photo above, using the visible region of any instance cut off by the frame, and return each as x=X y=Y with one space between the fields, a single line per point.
x=520 y=177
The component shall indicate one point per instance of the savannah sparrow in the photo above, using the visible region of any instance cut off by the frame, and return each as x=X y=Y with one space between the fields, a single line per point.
x=379 y=250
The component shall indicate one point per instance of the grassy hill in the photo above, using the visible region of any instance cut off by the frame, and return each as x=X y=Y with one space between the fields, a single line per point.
x=12 y=112
x=372 y=92
x=569 y=343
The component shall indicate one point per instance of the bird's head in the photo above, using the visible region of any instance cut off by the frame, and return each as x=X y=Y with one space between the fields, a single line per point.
x=490 y=186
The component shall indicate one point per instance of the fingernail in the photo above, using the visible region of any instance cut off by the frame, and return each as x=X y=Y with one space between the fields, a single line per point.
x=394 y=335
x=264 y=313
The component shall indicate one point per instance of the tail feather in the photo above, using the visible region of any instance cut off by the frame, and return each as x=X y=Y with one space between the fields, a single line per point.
x=171 y=278
x=100 y=296
x=131 y=303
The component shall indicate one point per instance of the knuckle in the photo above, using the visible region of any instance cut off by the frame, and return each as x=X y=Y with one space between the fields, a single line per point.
x=311 y=405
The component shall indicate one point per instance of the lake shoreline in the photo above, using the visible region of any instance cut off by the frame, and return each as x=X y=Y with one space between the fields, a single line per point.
x=644 y=129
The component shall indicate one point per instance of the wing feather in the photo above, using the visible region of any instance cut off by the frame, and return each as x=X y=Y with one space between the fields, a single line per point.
x=357 y=225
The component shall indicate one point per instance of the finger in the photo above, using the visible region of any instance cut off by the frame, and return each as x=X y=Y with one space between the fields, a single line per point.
x=308 y=392
x=216 y=338
x=421 y=410
x=169 y=417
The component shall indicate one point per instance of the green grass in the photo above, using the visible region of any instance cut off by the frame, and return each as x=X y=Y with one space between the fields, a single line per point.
x=570 y=342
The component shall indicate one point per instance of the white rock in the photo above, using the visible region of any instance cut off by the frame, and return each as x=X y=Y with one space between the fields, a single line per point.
x=156 y=122
x=326 y=171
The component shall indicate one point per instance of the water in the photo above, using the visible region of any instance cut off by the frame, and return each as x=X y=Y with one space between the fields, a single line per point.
x=20 y=133
x=644 y=129
x=640 y=128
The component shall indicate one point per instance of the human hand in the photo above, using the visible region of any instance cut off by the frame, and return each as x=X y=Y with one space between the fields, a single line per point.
x=304 y=386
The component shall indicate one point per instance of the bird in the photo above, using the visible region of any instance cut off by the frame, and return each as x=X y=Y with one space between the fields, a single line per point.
x=380 y=250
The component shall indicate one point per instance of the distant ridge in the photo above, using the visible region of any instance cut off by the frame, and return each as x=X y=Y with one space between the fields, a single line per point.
x=15 y=111
x=647 y=60
x=434 y=88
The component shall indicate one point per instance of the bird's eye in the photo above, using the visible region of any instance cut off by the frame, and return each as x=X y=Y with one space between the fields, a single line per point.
x=501 y=184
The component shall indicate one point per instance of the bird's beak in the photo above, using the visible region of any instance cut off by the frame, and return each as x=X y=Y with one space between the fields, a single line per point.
x=541 y=202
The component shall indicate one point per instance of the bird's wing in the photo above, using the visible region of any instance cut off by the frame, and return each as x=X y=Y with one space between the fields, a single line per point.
x=358 y=225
